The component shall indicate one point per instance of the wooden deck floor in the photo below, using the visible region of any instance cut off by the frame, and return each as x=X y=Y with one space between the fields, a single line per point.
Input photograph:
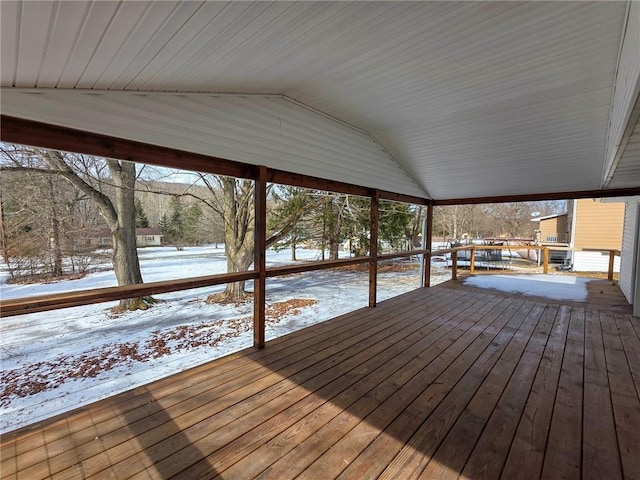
x=437 y=383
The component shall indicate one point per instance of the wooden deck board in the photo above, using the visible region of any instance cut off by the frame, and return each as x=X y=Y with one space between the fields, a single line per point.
x=436 y=383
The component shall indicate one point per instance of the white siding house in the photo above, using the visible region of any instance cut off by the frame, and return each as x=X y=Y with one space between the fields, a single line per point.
x=630 y=266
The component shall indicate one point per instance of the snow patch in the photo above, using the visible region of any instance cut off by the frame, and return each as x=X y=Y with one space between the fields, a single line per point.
x=557 y=287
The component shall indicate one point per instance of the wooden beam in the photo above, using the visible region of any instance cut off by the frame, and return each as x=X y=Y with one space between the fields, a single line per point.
x=472 y=258
x=545 y=265
x=612 y=256
x=403 y=254
x=399 y=197
x=611 y=192
x=41 y=303
x=27 y=132
x=259 y=284
x=315 y=183
x=454 y=265
x=373 y=247
x=427 y=245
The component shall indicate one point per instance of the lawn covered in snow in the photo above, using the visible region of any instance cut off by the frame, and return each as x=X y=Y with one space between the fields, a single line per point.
x=55 y=361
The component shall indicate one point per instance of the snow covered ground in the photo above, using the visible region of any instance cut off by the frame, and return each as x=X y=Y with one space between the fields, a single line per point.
x=55 y=361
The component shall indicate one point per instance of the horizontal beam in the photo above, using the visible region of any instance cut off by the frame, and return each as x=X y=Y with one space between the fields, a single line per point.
x=608 y=193
x=41 y=303
x=315 y=183
x=405 y=254
x=398 y=197
x=44 y=135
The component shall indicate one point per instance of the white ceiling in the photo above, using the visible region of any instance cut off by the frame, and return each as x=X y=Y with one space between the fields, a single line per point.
x=471 y=99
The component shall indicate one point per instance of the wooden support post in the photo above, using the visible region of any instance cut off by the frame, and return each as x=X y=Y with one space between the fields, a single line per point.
x=472 y=258
x=259 y=284
x=545 y=266
x=612 y=256
x=373 y=247
x=426 y=281
x=454 y=265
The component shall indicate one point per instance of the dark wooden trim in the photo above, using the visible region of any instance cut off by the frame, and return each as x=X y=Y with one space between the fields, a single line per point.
x=611 y=192
x=427 y=245
x=41 y=303
x=399 y=197
x=259 y=289
x=315 y=183
x=27 y=132
x=404 y=254
x=373 y=247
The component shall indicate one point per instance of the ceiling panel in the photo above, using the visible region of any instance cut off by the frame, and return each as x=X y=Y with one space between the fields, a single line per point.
x=255 y=129
x=470 y=98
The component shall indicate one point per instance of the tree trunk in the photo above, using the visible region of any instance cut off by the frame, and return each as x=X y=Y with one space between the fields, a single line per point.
x=334 y=237
x=3 y=232
x=293 y=247
x=239 y=235
x=123 y=232
x=56 y=249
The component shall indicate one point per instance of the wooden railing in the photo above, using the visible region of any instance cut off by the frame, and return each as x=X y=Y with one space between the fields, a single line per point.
x=544 y=251
x=42 y=303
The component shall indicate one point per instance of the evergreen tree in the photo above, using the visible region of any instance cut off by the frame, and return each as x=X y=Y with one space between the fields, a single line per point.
x=141 y=217
x=165 y=227
x=192 y=223
x=394 y=224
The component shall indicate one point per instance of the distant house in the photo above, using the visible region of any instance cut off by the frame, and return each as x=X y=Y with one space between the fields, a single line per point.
x=145 y=237
x=588 y=224
x=148 y=237
x=552 y=229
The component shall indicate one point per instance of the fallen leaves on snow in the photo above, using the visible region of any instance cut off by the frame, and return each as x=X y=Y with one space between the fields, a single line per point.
x=40 y=376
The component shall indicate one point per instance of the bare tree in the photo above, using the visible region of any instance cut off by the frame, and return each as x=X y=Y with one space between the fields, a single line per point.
x=90 y=176
x=233 y=199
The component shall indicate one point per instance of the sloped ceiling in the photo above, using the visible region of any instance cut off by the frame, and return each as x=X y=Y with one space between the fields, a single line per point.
x=471 y=99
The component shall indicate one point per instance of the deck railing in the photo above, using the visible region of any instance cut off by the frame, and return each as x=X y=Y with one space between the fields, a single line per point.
x=543 y=251
x=42 y=303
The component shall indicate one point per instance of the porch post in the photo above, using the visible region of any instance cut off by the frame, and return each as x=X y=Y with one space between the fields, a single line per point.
x=373 y=247
x=428 y=239
x=612 y=257
x=259 y=284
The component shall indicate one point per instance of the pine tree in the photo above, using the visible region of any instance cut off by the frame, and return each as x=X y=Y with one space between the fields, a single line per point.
x=192 y=221
x=141 y=217
x=165 y=227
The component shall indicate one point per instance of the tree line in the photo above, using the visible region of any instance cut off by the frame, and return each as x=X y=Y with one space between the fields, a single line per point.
x=52 y=203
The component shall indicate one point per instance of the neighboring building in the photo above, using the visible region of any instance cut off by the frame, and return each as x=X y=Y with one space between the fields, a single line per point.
x=595 y=224
x=145 y=237
x=148 y=237
x=588 y=224
x=552 y=229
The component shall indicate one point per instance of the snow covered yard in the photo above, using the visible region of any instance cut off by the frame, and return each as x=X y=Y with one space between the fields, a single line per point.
x=55 y=361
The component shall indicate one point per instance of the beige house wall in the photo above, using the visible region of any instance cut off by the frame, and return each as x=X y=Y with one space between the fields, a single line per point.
x=598 y=225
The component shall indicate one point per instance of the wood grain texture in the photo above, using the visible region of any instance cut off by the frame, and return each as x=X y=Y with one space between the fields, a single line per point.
x=436 y=383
